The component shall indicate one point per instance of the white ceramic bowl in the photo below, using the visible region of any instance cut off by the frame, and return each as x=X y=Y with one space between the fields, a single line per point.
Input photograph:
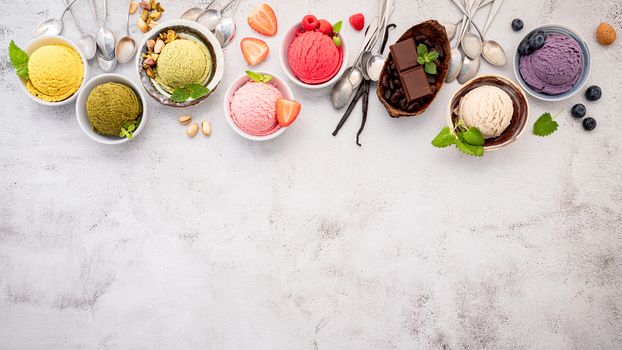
x=198 y=32
x=287 y=40
x=585 y=73
x=83 y=120
x=277 y=82
x=48 y=40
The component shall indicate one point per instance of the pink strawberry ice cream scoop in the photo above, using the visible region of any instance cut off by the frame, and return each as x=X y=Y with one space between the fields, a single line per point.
x=314 y=58
x=253 y=108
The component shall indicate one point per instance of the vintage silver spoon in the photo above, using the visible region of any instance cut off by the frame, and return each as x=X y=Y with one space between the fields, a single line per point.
x=372 y=65
x=194 y=13
x=52 y=26
x=492 y=51
x=469 y=69
x=455 y=63
x=226 y=29
x=126 y=46
x=452 y=28
x=86 y=43
x=104 y=64
x=471 y=43
x=211 y=17
x=104 y=38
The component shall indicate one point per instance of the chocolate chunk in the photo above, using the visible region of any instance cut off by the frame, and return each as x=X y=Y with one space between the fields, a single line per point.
x=415 y=83
x=404 y=54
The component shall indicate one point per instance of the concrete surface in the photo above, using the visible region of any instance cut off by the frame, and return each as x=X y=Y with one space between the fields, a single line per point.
x=310 y=242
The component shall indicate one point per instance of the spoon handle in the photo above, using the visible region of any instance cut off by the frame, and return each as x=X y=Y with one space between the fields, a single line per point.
x=491 y=15
x=66 y=9
x=94 y=10
x=127 y=20
x=75 y=21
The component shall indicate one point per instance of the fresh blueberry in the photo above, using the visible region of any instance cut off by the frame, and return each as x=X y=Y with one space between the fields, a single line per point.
x=517 y=24
x=524 y=49
x=536 y=41
x=578 y=110
x=593 y=93
x=589 y=124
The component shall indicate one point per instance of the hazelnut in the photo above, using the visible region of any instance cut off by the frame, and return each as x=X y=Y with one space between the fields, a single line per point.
x=133 y=7
x=605 y=34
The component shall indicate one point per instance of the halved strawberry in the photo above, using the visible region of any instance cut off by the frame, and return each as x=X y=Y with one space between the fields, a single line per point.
x=263 y=20
x=286 y=111
x=254 y=50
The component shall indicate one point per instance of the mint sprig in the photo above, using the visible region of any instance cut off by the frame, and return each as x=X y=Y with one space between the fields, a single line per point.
x=194 y=91
x=258 y=77
x=336 y=29
x=545 y=125
x=128 y=130
x=469 y=141
x=426 y=59
x=19 y=60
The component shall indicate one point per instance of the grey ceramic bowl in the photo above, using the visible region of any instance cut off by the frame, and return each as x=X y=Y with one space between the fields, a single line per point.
x=188 y=30
x=560 y=29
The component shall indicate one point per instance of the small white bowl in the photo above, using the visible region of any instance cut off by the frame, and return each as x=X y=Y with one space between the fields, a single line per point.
x=83 y=119
x=277 y=82
x=49 y=40
x=287 y=40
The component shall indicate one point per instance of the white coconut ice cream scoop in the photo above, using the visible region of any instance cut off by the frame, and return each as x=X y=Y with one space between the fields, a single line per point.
x=487 y=108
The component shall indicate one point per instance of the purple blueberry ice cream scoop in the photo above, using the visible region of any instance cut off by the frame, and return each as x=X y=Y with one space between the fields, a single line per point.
x=555 y=68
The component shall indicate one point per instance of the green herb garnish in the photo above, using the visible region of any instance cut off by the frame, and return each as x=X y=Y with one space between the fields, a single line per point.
x=469 y=141
x=19 y=60
x=128 y=130
x=426 y=59
x=258 y=77
x=194 y=91
x=336 y=29
x=545 y=125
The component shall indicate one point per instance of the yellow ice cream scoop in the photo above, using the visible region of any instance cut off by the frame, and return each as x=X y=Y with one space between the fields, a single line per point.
x=182 y=62
x=55 y=72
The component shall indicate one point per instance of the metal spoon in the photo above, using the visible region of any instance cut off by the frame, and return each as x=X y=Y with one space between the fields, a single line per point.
x=492 y=51
x=469 y=69
x=52 y=26
x=352 y=77
x=104 y=64
x=226 y=29
x=372 y=65
x=452 y=28
x=367 y=54
x=455 y=63
x=195 y=12
x=86 y=43
x=105 y=37
x=211 y=17
x=126 y=46
x=471 y=43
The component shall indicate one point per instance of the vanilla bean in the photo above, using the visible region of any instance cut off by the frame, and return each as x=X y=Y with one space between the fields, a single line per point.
x=346 y=115
x=366 y=83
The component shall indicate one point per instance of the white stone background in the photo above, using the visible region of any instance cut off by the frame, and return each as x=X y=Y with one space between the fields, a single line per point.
x=308 y=241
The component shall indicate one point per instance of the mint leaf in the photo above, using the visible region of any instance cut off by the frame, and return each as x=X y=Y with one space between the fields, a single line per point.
x=337 y=41
x=433 y=55
x=444 y=138
x=422 y=50
x=421 y=60
x=430 y=68
x=258 y=77
x=545 y=125
x=19 y=60
x=473 y=137
x=470 y=150
x=197 y=91
x=128 y=130
x=180 y=95
x=337 y=28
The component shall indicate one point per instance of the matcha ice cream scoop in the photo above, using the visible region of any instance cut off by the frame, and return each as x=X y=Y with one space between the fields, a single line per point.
x=182 y=62
x=111 y=105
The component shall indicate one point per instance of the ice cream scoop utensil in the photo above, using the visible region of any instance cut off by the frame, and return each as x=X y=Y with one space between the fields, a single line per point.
x=126 y=46
x=195 y=12
x=226 y=29
x=52 y=26
x=209 y=19
x=86 y=42
x=104 y=38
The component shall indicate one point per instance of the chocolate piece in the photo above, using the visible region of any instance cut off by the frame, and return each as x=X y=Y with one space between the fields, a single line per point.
x=415 y=83
x=404 y=54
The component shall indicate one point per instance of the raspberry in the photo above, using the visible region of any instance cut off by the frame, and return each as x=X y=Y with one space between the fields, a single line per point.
x=326 y=28
x=309 y=22
x=357 y=21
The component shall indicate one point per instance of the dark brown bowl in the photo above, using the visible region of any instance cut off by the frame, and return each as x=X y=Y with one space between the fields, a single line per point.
x=434 y=36
x=519 y=101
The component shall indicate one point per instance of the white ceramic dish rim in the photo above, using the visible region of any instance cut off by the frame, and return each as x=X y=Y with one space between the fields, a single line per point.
x=282 y=86
x=47 y=40
x=505 y=79
x=220 y=60
x=289 y=37
x=578 y=87
x=82 y=118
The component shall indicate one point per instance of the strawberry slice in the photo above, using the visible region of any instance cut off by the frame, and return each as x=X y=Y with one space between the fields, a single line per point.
x=263 y=20
x=286 y=111
x=254 y=50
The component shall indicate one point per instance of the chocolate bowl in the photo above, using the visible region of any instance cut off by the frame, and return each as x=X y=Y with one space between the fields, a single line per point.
x=519 y=102
x=432 y=34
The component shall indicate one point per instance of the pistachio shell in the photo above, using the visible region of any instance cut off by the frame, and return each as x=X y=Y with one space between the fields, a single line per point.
x=150 y=73
x=206 y=128
x=155 y=15
x=159 y=45
x=133 y=7
x=192 y=130
x=146 y=5
x=144 y=15
x=142 y=25
x=185 y=119
x=150 y=44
